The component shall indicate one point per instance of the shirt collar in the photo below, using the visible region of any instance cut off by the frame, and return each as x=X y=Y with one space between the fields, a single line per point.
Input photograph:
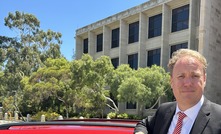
x=193 y=111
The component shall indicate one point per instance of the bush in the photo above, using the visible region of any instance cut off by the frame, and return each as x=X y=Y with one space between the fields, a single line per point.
x=122 y=116
x=114 y=115
x=48 y=116
x=135 y=117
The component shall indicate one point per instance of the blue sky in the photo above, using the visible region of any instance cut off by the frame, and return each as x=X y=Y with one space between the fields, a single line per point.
x=64 y=16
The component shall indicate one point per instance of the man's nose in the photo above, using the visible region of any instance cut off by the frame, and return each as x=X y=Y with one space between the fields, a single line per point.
x=188 y=81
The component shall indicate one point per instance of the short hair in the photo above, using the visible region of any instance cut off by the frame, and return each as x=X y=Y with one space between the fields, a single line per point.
x=186 y=52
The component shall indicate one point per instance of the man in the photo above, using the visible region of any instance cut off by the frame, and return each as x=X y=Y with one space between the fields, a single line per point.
x=199 y=115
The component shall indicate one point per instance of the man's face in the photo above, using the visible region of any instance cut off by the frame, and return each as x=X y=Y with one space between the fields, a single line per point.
x=188 y=80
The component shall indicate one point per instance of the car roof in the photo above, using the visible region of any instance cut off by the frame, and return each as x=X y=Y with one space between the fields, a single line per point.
x=78 y=126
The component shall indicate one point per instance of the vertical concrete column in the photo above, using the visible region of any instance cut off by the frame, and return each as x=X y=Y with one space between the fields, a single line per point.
x=6 y=116
x=193 y=17
x=204 y=28
x=42 y=118
x=209 y=45
x=15 y=115
x=123 y=42
x=79 y=47
x=60 y=117
x=142 y=60
x=106 y=40
x=165 y=47
x=28 y=117
x=91 y=43
x=123 y=52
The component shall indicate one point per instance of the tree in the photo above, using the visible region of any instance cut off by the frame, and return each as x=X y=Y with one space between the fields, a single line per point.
x=28 y=51
x=6 y=63
x=118 y=76
x=144 y=87
x=2 y=86
x=89 y=80
x=23 y=54
x=50 y=84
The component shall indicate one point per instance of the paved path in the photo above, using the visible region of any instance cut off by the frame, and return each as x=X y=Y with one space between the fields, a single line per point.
x=4 y=122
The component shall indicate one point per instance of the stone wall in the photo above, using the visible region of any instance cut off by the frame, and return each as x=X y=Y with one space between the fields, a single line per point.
x=210 y=46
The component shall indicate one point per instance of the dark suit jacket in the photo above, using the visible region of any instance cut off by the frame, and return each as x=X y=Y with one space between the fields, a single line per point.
x=208 y=120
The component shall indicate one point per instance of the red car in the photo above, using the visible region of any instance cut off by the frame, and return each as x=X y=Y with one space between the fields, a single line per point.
x=82 y=126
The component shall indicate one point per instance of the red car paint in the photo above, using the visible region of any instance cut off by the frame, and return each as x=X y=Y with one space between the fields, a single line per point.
x=94 y=126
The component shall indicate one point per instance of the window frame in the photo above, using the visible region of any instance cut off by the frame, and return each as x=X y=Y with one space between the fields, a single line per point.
x=133 y=34
x=115 y=63
x=115 y=38
x=99 y=42
x=155 y=26
x=85 y=46
x=130 y=105
x=152 y=55
x=133 y=61
x=180 y=18
x=176 y=47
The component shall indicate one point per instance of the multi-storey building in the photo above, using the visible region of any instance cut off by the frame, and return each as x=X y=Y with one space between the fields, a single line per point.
x=149 y=33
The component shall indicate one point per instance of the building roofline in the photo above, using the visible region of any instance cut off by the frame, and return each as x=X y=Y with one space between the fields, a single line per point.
x=120 y=15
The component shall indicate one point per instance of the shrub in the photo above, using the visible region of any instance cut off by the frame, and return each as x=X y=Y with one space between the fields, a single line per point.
x=48 y=116
x=122 y=116
x=112 y=115
x=135 y=117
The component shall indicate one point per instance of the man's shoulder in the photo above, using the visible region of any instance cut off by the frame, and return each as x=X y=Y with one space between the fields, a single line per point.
x=210 y=103
x=214 y=106
x=213 y=110
x=167 y=108
x=167 y=105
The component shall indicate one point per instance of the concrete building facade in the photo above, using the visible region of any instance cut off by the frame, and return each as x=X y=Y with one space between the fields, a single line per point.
x=148 y=34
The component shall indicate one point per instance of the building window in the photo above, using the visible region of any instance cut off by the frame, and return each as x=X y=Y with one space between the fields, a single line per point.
x=130 y=105
x=155 y=26
x=115 y=62
x=85 y=49
x=133 y=61
x=133 y=32
x=99 y=42
x=115 y=38
x=177 y=47
x=180 y=18
x=153 y=57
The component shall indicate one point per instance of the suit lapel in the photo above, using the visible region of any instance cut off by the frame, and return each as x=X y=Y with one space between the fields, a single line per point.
x=202 y=118
x=167 y=119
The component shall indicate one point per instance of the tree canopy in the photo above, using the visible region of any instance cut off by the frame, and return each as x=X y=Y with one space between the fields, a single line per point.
x=89 y=80
x=49 y=87
x=35 y=76
x=27 y=51
x=143 y=86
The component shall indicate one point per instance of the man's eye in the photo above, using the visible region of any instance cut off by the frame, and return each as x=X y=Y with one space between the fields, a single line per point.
x=181 y=76
x=196 y=76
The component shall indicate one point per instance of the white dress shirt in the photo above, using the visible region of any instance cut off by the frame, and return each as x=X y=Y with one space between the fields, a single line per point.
x=188 y=120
